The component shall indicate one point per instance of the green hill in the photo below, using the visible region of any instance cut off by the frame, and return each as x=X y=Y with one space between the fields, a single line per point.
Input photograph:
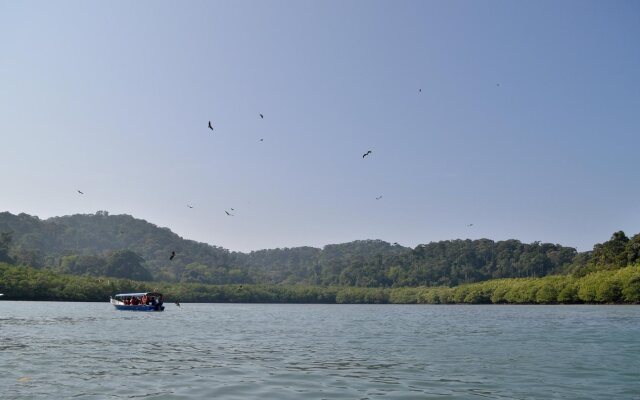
x=125 y=247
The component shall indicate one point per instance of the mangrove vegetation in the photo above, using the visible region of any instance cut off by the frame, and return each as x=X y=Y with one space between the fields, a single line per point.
x=90 y=257
x=601 y=287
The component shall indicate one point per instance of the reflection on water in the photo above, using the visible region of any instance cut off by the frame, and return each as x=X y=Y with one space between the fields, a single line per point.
x=239 y=351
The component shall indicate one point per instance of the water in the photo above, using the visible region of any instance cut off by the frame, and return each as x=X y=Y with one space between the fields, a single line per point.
x=242 y=351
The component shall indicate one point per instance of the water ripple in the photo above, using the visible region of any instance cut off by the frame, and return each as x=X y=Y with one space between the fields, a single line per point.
x=90 y=351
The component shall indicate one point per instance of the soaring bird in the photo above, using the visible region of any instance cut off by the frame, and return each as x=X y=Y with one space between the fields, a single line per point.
x=497 y=84
x=262 y=140
x=366 y=154
x=80 y=192
x=231 y=215
x=173 y=254
x=378 y=198
x=469 y=224
x=419 y=90
x=261 y=116
x=210 y=126
x=189 y=205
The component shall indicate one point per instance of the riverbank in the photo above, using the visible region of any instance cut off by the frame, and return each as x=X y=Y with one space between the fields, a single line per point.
x=619 y=286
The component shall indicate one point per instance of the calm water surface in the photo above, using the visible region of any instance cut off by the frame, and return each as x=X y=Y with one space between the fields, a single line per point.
x=241 y=351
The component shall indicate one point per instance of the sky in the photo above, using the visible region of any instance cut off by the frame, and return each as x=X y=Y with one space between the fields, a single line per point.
x=519 y=117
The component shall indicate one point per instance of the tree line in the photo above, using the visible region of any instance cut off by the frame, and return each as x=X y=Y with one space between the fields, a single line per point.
x=125 y=247
x=601 y=287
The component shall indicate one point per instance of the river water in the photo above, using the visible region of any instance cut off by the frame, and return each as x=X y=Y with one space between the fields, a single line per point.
x=247 y=351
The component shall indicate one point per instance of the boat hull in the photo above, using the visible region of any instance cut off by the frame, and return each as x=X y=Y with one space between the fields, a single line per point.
x=139 y=308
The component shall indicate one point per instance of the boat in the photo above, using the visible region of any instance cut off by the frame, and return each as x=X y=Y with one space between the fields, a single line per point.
x=144 y=301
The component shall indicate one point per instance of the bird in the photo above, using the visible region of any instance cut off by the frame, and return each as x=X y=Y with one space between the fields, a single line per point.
x=173 y=254
x=497 y=84
x=396 y=244
x=189 y=205
x=469 y=224
x=419 y=90
x=231 y=215
x=366 y=154
x=261 y=116
x=210 y=126
x=177 y=303
x=378 y=198
x=262 y=140
x=233 y=209
x=80 y=192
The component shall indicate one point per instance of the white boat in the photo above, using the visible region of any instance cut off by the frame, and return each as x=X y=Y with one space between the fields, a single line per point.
x=144 y=301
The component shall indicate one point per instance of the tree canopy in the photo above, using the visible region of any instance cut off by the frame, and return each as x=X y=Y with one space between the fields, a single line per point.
x=607 y=286
x=122 y=246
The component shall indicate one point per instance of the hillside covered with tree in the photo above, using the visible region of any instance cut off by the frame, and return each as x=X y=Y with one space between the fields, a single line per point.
x=122 y=246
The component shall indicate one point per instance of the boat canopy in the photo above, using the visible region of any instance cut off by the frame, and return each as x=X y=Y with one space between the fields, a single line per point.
x=138 y=294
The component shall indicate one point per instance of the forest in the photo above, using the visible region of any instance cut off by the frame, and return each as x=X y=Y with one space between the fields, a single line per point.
x=601 y=287
x=79 y=250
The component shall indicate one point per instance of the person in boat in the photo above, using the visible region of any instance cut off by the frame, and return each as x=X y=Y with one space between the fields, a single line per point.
x=144 y=300
x=135 y=301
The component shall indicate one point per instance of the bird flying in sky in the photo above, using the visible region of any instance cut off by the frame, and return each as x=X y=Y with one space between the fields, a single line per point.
x=210 y=126
x=189 y=205
x=231 y=215
x=80 y=192
x=261 y=116
x=173 y=254
x=366 y=154
x=378 y=198
x=469 y=224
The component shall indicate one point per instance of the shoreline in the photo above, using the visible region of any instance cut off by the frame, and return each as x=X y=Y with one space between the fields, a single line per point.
x=613 y=287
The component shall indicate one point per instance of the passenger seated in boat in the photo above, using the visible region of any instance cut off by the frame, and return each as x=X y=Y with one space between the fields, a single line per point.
x=144 y=300
x=135 y=301
x=153 y=301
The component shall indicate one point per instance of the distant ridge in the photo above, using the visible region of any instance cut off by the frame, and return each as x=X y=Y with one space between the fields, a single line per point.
x=53 y=242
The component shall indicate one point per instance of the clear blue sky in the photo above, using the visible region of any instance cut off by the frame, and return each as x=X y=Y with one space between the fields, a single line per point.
x=113 y=98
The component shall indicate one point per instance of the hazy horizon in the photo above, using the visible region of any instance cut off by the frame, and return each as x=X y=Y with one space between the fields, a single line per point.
x=319 y=246
x=520 y=118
